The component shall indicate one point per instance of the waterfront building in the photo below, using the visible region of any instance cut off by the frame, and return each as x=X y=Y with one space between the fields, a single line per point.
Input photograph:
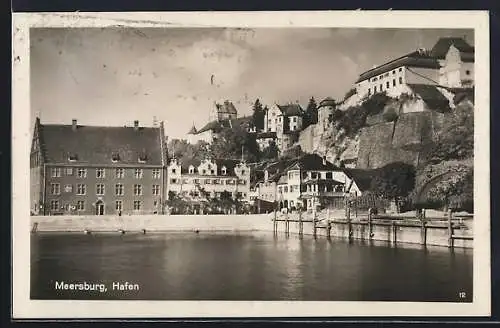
x=194 y=179
x=97 y=170
x=305 y=182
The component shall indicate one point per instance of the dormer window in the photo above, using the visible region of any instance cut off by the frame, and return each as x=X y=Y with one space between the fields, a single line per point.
x=115 y=157
x=191 y=170
x=224 y=170
x=72 y=157
x=143 y=157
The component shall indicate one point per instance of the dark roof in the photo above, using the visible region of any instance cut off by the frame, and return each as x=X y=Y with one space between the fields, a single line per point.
x=362 y=178
x=327 y=102
x=413 y=59
x=441 y=48
x=432 y=97
x=291 y=110
x=230 y=164
x=315 y=162
x=323 y=182
x=97 y=144
x=217 y=126
x=193 y=130
x=226 y=107
x=265 y=135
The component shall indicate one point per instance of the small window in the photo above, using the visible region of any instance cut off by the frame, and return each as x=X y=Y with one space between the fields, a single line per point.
x=68 y=188
x=99 y=189
x=137 y=189
x=156 y=189
x=54 y=205
x=100 y=173
x=55 y=188
x=119 y=173
x=56 y=172
x=80 y=205
x=212 y=171
x=394 y=72
x=204 y=172
x=381 y=89
x=393 y=82
x=173 y=171
x=387 y=84
x=375 y=89
x=82 y=173
x=138 y=173
x=137 y=205
x=119 y=205
x=156 y=173
x=467 y=72
x=400 y=80
x=173 y=181
x=208 y=181
x=224 y=171
x=69 y=171
x=81 y=189
x=119 y=189
x=72 y=157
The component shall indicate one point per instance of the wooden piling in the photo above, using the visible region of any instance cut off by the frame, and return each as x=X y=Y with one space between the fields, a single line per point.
x=450 y=230
x=287 y=225
x=314 y=221
x=301 y=224
x=328 y=228
x=423 y=228
x=394 y=237
x=348 y=218
x=370 y=228
x=275 y=223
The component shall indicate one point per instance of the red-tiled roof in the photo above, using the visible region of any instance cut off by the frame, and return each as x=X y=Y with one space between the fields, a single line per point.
x=413 y=59
x=95 y=145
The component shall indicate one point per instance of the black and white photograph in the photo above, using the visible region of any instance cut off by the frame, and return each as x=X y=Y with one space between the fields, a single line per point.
x=220 y=160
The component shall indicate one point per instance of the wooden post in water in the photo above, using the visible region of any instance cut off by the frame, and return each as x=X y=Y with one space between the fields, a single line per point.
x=370 y=228
x=423 y=228
x=348 y=218
x=314 y=220
x=393 y=225
x=287 y=224
x=275 y=227
x=328 y=228
x=450 y=230
x=301 y=224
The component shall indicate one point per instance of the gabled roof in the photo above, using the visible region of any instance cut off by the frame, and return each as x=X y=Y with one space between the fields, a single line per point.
x=413 y=59
x=96 y=145
x=314 y=162
x=362 y=178
x=226 y=107
x=291 y=110
x=217 y=126
x=442 y=46
x=432 y=97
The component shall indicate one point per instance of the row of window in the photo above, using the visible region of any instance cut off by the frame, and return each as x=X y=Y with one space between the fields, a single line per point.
x=195 y=193
x=387 y=84
x=285 y=189
x=209 y=181
x=100 y=173
x=204 y=171
x=386 y=75
x=55 y=205
x=81 y=189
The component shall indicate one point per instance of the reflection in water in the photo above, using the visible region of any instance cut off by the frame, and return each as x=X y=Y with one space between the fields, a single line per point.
x=247 y=267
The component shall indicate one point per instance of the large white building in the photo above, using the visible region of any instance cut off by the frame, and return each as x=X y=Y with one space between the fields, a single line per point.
x=450 y=63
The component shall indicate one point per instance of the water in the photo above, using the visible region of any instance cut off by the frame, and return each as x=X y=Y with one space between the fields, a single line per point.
x=246 y=267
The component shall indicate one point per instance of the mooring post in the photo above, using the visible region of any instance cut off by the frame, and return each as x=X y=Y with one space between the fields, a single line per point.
x=287 y=224
x=314 y=221
x=450 y=229
x=348 y=218
x=370 y=229
x=301 y=224
x=328 y=228
x=423 y=229
x=275 y=228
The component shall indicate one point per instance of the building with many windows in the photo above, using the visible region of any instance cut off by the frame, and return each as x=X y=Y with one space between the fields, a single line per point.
x=192 y=179
x=96 y=170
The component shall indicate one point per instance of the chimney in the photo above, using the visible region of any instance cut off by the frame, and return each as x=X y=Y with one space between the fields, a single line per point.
x=324 y=160
x=136 y=125
x=74 y=124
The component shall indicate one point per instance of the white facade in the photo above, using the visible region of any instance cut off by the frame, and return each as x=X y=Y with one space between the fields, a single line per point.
x=454 y=72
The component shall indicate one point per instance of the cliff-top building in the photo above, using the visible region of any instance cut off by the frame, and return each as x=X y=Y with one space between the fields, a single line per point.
x=97 y=170
x=450 y=63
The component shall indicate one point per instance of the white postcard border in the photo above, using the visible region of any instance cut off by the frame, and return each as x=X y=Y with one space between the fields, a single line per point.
x=24 y=308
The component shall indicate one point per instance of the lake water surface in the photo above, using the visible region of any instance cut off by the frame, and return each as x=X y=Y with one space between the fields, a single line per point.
x=181 y=266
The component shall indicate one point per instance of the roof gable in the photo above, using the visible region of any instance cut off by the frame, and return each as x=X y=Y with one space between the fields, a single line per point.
x=291 y=110
x=432 y=97
x=443 y=45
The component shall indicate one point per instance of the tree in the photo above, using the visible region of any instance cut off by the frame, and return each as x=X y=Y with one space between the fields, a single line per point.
x=311 y=114
x=394 y=181
x=182 y=150
x=258 y=115
x=455 y=141
x=456 y=192
x=270 y=152
x=177 y=204
x=233 y=141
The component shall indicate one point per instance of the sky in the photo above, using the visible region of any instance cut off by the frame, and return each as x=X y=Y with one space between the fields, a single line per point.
x=113 y=76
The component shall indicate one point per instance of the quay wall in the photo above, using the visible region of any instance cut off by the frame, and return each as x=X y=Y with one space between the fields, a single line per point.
x=405 y=231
